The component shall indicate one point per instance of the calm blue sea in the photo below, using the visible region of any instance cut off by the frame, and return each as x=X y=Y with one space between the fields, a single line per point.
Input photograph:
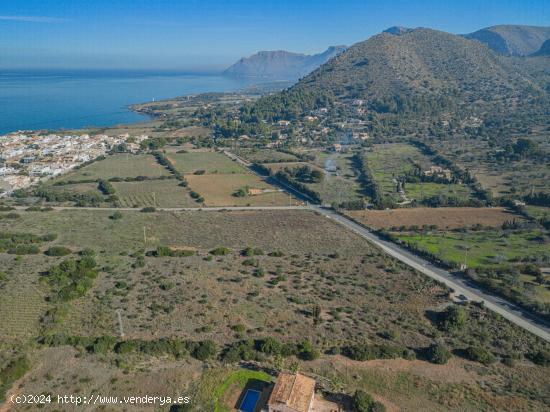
x=74 y=99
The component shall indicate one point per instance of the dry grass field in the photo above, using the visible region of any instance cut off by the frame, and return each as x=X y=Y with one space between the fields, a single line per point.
x=218 y=190
x=119 y=165
x=156 y=193
x=209 y=162
x=362 y=295
x=443 y=218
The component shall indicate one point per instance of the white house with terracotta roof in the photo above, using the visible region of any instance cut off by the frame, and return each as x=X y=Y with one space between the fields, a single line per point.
x=296 y=393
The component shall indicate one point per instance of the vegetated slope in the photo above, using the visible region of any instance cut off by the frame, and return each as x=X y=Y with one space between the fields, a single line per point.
x=544 y=49
x=421 y=70
x=512 y=40
x=281 y=64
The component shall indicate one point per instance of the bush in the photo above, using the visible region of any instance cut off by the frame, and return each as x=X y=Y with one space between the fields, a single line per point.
x=106 y=187
x=541 y=358
x=205 y=350
x=270 y=346
x=220 y=251
x=453 y=318
x=116 y=216
x=102 y=345
x=24 y=250
x=363 y=352
x=438 y=354
x=481 y=355
x=148 y=209
x=362 y=401
x=71 y=279
x=58 y=251
x=12 y=372
x=307 y=352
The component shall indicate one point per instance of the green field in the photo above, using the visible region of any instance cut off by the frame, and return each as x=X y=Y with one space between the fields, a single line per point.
x=210 y=162
x=388 y=162
x=119 y=165
x=480 y=249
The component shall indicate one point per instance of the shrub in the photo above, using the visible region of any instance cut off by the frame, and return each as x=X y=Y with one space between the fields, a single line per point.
x=58 y=251
x=220 y=251
x=439 y=354
x=12 y=372
x=148 y=209
x=306 y=351
x=106 y=187
x=541 y=358
x=71 y=279
x=116 y=216
x=102 y=345
x=481 y=355
x=362 y=401
x=24 y=250
x=270 y=346
x=453 y=318
x=205 y=350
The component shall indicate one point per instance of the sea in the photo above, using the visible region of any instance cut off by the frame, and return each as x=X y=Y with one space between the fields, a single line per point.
x=54 y=100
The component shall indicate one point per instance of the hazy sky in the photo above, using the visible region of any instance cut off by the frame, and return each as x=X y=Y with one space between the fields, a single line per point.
x=203 y=34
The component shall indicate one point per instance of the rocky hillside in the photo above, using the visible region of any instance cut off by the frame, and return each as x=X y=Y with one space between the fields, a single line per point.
x=281 y=64
x=512 y=40
x=544 y=49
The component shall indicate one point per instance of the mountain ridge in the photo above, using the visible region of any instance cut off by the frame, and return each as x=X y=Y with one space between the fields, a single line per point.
x=280 y=63
x=512 y=39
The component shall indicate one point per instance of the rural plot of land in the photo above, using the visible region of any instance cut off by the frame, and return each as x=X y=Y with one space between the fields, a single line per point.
x=444 y=217
x=480 y=248
x=209 y=162
x=389 y=162
x=265 y=155
x=119 y=165
x=517 y=177
x=336 y=187
x=221 y=189
x=156 y=193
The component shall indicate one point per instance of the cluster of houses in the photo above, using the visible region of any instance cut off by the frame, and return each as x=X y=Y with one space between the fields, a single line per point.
x=25 y=158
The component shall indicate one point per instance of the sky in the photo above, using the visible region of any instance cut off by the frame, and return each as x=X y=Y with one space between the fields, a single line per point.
x=203 y=35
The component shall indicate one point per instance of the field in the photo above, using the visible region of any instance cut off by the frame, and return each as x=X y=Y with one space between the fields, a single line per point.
x=484 y=248
x=119 y=165
x=509 y=263
x=340 y=181
x=443 y=218
x=210 y=162
x=265 y=155
x=388 y=162
x=502 y=178
x=156 y=193
x=361 y=295
x=219 y=189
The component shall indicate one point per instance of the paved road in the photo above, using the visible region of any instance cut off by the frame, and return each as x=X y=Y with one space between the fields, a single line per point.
x=462 y=286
